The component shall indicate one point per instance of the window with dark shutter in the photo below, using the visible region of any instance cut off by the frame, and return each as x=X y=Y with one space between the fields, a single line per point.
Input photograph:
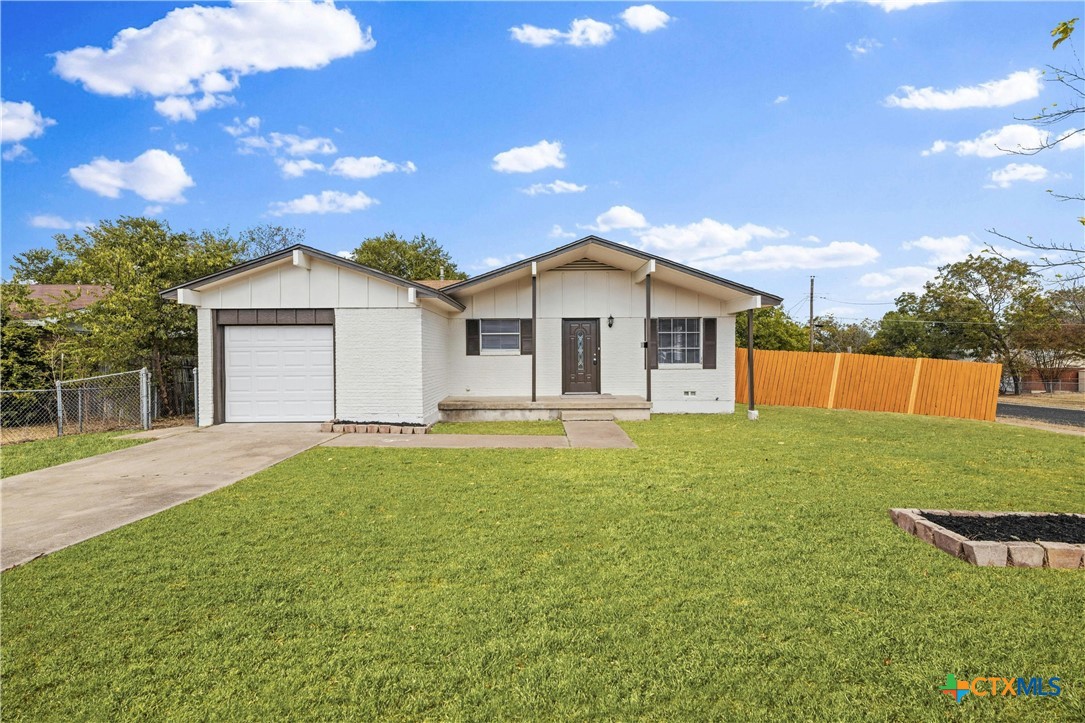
x=708 y=345
x=527 y=337
x=474 y=344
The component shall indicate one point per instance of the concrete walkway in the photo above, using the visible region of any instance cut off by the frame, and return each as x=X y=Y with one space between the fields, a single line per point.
x=589 y=435
x=52 y=508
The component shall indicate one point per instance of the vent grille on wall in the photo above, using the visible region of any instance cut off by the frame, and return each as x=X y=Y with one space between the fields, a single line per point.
x=585 y=264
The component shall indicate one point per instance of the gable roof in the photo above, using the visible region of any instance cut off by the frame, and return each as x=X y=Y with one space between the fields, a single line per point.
x=422 y=289
x=767 y=299
x=73 y=297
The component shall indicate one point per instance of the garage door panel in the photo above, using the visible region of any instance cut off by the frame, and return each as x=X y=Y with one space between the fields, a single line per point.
x=279 y=373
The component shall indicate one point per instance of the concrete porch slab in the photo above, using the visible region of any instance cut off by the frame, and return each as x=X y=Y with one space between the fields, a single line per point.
x=450 y=441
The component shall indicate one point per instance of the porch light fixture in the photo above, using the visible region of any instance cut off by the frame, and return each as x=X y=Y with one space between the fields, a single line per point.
x=610 y=321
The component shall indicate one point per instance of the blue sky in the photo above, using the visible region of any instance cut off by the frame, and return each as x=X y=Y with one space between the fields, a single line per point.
x=762 y=142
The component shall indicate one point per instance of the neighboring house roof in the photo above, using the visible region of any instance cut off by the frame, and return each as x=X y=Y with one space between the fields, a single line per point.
x=611 y=249
x=438 y=283
x=422 y=289
x=75 y=297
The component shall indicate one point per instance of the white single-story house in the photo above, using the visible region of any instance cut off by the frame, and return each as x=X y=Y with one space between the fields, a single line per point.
x=304 y=335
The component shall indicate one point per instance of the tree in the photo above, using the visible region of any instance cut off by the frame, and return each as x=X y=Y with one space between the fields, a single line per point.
x=985 y=304
x=420 y=258
x=832 y=336
x=257 y=241
x=773 y=330
x=39 y=266
x=1050 y=343
x=22 y=364
x=1065 y=258
x=132 y=326
x=916 y=328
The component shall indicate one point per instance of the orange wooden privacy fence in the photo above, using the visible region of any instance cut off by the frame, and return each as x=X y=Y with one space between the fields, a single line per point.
x=871 y=383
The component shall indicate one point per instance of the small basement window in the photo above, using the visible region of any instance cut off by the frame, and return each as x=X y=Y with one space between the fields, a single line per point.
x=680 y=341
x=500 y=335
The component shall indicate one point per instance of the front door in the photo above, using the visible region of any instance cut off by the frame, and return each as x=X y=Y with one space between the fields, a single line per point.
x=580 y=356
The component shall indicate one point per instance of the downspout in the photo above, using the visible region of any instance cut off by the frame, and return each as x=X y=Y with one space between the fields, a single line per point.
x=751 y=412
x=647 y=337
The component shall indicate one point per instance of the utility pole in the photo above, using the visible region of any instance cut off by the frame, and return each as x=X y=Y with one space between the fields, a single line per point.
x=811 y=313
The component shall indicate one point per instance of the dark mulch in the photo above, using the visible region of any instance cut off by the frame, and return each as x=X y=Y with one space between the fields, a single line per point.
x=1010 y=528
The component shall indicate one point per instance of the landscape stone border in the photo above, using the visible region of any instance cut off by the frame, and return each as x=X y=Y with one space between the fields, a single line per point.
x=985 y=553
x=372 y=428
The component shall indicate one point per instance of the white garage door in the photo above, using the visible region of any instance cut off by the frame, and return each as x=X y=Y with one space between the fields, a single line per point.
x=279 y=374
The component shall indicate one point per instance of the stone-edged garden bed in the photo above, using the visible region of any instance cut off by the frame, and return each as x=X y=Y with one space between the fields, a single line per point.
x=373 y=428
x=1000 y=539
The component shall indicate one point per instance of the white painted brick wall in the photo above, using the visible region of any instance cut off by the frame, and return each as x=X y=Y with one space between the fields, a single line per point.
x=434 y=363
x=205 y=361
x=378 y=365
x=484 y=375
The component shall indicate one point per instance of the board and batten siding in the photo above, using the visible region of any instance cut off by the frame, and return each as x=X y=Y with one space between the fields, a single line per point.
x=592 y=294
x=323 y=286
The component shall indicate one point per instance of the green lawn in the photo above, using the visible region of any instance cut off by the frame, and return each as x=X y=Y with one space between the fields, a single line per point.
x=549 y=427
x=724 y=570
x=29 y=456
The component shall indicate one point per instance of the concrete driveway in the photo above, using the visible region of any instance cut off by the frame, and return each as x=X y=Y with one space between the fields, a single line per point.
x=52 y=508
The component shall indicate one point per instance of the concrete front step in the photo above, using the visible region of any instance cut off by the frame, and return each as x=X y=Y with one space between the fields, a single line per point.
x=581 y=415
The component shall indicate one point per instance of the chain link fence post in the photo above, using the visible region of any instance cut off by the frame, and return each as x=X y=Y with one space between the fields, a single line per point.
x=60 y=410
x=145 y=397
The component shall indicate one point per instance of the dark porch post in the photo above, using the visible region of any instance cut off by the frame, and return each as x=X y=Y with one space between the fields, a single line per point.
x=751 y=413
x=534 y=331
x=647 y=337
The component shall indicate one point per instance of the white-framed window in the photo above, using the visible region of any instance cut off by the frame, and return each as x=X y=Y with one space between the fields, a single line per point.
x=500 y=335
x=680 y=341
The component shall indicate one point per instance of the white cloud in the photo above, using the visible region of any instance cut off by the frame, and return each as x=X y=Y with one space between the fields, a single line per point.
x=326 y=202
x=780 y=99
x=368 y=167
x=886 y=5
x=536 y=189
x=527 y=159
x=1022 y=85
x=836 y=254
x=863 y=46
x=154 y=175
x=493 y=262
x=558 y=232
x=645 y=18
x=891 y=283
x=288 y=143
x=243 y=127
x=297 y=168
x=582 y=32
x=1014 y=138
x=345 y=255
x=203 y=51
x=1006 y=177
x=16 y=150
x=56 y=223
x=20 y=121
x=1072 y=140
x=705 y=238
x=944 y=249
x=153 y=210
x=618 y=217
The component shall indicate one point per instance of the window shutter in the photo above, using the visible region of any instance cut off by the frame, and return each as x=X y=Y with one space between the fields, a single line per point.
x=653 y=344
x=474 y=342
x=527 y=337
x=708 y=345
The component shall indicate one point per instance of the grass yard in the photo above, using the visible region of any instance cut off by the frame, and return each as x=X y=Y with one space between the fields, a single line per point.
x=29 y=456
x=724 y=570
x=549 y=427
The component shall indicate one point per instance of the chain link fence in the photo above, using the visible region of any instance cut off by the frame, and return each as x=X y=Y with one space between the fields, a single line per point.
x=93 y=404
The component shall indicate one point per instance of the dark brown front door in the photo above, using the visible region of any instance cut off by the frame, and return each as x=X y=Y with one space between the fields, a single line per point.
x=580 y=356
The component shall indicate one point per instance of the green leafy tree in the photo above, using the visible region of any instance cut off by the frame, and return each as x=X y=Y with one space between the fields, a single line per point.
x=420 y=258
x=916 y=328
x=832 y=336
x=1050 y=342
x=39 y=266
x=22 y=363
x=257 y=241
x=132 y=326
x=773 y=330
